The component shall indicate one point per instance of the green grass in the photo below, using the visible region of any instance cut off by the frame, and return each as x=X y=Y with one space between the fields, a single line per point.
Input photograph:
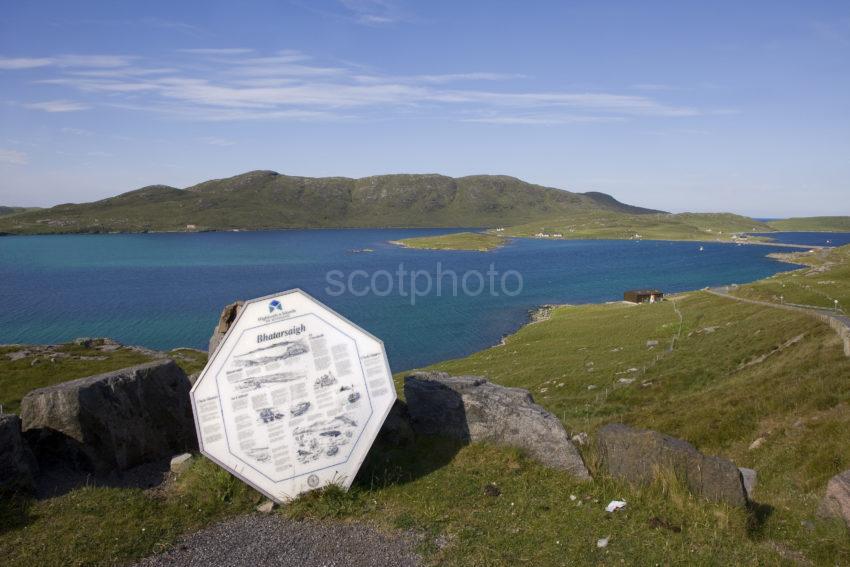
x=5 y=211
x=606 y=225
x=722 y=374
x=45 y=366
x=813 y=224
x=825 y=280
x=107 y=526
x=479 y=241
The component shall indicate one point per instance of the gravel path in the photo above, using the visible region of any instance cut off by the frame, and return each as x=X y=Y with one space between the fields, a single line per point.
x=256 y=540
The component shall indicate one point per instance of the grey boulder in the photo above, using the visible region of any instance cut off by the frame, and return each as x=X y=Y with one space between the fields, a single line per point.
x=472 y=409
x=225 y=320
x=112 y=421
x=750 y=478
x=636 y=456
x=17 y=464
x=396 y=430
x=836 y=501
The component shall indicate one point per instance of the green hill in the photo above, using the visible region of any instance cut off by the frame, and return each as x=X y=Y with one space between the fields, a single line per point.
x=813 y=224
x=5 y=211
x=266 y=200
x=662 y=226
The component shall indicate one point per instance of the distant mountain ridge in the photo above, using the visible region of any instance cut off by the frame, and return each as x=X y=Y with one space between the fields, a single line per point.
x=5 y=211
x=268 y=200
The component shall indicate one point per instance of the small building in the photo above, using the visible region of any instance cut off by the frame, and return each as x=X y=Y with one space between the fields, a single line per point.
x=643 y=295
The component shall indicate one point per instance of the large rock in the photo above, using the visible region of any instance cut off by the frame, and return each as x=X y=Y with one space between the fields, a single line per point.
x=472 y=409
x=113 y=421
x=17 y=464
x=636 y=455
x=225 y=320
x=396 y=430
x=836 y=501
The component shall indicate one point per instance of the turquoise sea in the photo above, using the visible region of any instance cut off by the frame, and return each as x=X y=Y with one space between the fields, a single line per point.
x=166 y=290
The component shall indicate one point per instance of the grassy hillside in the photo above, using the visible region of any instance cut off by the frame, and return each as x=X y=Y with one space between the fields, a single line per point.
x=721 y=375
x=683 y=226
x=826 y=280
x=265 y=200
x=5 y=211
x=812 y=224
x=480 y=241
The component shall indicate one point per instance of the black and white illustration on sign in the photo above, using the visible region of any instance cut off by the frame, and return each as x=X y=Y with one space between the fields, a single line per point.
x=293 y=397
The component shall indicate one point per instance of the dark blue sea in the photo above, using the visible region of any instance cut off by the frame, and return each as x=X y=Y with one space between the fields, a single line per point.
x=809 y=238
x=166 y=290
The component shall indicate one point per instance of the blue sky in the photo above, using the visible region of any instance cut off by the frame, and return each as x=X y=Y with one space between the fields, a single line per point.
x=705 y=106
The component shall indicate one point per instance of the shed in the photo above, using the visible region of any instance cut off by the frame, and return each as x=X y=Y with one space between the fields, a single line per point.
x=643 y=295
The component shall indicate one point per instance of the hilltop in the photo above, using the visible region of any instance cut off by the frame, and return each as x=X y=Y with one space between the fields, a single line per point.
x=269 y=200
x=5 y=211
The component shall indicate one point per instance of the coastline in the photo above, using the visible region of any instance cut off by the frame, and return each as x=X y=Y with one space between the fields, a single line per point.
x=454 y=229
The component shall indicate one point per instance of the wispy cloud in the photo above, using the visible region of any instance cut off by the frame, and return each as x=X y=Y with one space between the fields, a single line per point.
x=215 y=141
x=76 y=131
x=376 y=12
x=218 y=51
x=228 y=83
x=541 y=119
x=182 y=27
x=57 y=106
x=65 y=61
x=654 y=87
x=836 y=32
x=13 y=157
x=15 y=63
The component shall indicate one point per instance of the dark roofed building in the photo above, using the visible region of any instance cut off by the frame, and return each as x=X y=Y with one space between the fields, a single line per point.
x=643 y=295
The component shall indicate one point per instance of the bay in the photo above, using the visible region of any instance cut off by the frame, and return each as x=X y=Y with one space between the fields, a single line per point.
x=166 y=290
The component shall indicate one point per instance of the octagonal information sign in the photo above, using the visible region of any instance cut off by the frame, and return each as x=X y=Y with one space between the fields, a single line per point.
x=293 y=396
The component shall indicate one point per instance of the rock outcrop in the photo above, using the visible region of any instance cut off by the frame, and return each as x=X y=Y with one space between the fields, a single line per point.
x=750 y=479
x=396 y=430
x=472 y=409
x=225 y=320
x=836 y=501
x=112 y=421
x=17 y=464
x=636 y=455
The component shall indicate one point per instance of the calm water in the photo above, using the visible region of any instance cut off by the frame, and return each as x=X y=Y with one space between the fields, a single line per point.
x=810 y=238
x=166 y=290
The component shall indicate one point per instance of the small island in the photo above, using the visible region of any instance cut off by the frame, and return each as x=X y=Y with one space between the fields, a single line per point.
x=477 y=241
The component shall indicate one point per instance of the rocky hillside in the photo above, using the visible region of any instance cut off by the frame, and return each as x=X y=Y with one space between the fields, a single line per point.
x=265 y=200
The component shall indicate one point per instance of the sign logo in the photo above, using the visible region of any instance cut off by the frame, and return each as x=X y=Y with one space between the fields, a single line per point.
x=313 y=481
x=275 y=305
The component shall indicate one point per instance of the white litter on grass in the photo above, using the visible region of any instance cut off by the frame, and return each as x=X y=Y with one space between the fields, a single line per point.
x=572 y=496
x=603 y=542
x=615 y=505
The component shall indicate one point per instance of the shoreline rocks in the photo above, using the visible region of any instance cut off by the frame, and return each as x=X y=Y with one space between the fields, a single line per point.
x=112 y=421
x=636 y=455
x=472 y=409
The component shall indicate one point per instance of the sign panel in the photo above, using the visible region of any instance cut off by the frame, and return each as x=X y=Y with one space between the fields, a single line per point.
x=293 y=396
